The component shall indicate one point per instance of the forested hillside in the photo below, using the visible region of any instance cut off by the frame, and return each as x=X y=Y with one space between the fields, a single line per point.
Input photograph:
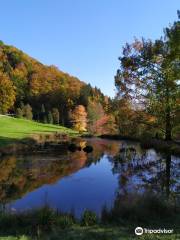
x=29 y=89
x=147 y=84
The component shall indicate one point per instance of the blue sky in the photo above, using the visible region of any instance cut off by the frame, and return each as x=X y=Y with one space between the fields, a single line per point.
x=83 y=37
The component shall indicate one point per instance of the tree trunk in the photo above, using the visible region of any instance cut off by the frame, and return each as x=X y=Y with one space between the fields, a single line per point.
x=168 y=115
x=168 y=125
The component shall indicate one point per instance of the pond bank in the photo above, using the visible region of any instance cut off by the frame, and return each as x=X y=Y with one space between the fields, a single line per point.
x=78 y=176
x=49 y=224
x=37 y=143
x=17 y=133
x=43 y=143
x=160 y=145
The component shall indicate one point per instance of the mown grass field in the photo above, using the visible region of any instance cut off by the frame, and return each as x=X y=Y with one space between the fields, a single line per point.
x=13 y=129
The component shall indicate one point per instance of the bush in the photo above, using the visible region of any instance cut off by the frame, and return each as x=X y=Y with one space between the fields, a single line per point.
x=24 y=111
x=64 y=221
x=89 y=218
x=19 y=113
x=44 y=218
x=139 y=209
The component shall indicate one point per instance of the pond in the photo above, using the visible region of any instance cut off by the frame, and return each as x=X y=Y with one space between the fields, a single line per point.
x=78 y=181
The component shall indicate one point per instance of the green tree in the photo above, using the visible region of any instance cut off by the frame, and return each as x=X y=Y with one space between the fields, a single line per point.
x=97 y=119
x=50 y=118
x=85 y=92
x=43 y=114
x=148 y=77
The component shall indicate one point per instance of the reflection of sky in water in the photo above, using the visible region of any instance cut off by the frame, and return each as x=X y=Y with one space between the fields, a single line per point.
x=175 y=173
x=89 y=188
x=142 y=171
x=91 y=185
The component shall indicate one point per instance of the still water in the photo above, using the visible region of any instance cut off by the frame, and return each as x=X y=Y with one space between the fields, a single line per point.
x=78 y=181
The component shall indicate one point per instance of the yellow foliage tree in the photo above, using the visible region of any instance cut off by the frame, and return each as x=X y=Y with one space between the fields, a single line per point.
x=7 y=93
x=79 y=118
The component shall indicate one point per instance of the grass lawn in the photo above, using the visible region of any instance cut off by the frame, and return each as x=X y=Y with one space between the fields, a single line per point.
x=12 y=129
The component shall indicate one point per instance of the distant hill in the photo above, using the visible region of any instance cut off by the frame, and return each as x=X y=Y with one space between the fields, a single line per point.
x=32 y=77
x=29 y=88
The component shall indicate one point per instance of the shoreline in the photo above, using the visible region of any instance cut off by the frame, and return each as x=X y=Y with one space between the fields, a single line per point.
x=37 y=143
x=160 y=145
x=41 y=143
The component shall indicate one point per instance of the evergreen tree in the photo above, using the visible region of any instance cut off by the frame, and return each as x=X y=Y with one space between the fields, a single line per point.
x=55 y=115
x=43 y=115
x=50 y=118
x=85 y=93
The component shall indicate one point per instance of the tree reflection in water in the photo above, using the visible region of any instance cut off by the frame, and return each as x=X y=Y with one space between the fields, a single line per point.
x=139 y=171
x=145 y=176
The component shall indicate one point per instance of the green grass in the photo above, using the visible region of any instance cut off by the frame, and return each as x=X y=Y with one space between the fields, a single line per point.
x=103 y=233
x=48 y=224
x=13 y=129
x=15 y=238
x=95 y=233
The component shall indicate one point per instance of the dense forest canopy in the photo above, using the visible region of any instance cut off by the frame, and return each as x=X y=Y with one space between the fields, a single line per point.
x=32 y=90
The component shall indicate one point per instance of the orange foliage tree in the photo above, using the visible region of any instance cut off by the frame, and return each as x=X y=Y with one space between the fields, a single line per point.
x=99 y=122
x=79 y=118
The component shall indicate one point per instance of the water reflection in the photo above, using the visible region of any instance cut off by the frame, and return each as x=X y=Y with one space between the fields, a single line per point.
x=79 y=180
x=147 y=171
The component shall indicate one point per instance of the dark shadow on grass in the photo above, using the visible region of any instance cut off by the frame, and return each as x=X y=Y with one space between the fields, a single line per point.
x=49 y=126
x=5 y=141
x=46 y=131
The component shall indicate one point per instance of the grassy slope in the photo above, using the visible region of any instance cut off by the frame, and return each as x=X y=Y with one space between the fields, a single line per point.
x=12 y=129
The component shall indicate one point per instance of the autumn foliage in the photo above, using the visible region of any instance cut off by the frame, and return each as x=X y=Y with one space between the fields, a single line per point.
x=7 y=93
x=32 y=90
x=79 y=118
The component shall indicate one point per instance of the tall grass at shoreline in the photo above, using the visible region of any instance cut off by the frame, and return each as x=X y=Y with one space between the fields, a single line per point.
x=117 y=223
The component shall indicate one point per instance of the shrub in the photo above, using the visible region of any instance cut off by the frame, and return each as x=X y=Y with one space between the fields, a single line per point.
x=89 y=218
x=64 y=221
x=139 y=209
x=19 y=113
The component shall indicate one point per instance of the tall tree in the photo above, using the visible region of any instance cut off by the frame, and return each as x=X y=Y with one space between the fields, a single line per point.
x=85 y=92
x=43 y=114
x=98 y=121
x=149 y=76
x=79 y=118
x=28 y=112
x=55 y=115
x=49 y=117
x=7 y=93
